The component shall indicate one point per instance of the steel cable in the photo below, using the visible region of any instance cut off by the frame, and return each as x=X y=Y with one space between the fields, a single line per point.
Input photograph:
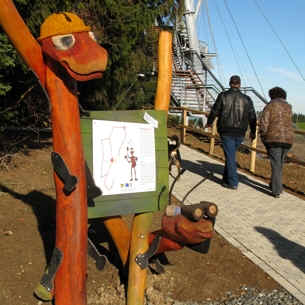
x=213 y=40
x=278 y=37
x=235 y=55
x=245 y=48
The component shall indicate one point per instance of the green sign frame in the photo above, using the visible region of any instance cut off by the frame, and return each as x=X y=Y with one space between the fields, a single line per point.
x=124 y=204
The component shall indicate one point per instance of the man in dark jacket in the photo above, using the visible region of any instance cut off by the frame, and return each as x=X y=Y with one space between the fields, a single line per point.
x=235 y=111
x=277 y=134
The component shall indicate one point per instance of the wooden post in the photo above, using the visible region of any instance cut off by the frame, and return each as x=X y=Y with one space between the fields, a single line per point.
x=138 y=245
x=183 y=129
x=212 y=142
x=253 y=153
x=71 y=211
x=120 y=234
x=142 y=222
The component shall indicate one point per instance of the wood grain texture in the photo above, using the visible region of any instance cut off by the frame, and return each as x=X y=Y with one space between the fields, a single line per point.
x=142 y=222
x=71 y=210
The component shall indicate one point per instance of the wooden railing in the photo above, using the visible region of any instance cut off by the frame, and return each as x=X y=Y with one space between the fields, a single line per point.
x=212 y=135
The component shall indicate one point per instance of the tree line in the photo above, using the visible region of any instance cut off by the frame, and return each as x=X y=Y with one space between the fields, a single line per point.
x=125 y=28
x=298 y=117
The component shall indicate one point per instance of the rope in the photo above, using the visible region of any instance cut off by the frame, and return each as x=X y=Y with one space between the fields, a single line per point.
x=278 y=37
x=244 y=46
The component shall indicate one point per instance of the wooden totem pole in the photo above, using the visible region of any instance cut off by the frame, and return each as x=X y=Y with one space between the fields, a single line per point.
x=66 y=52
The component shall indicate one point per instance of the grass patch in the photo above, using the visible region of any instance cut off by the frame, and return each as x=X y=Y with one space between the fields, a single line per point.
x=301 y=125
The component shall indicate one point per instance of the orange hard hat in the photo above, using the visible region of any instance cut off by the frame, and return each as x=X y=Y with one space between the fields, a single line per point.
x=61 y=24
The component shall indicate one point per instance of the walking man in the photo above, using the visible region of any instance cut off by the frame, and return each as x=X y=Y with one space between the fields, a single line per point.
x=277 y=134
x=235 y=111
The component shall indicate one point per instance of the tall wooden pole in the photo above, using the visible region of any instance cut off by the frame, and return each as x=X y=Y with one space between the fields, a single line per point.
x=142 y=222
x=165 y=62
x=71 y=210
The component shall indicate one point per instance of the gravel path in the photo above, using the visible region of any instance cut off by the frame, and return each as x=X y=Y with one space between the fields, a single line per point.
x=252 y=297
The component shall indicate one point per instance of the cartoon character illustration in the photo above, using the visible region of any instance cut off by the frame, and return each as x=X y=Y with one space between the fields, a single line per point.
x=132 y=159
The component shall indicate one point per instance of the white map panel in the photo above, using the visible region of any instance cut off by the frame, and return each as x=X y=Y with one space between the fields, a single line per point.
x=123 y=157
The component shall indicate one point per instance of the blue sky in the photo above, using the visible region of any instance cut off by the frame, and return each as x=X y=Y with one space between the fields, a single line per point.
x=273 y=65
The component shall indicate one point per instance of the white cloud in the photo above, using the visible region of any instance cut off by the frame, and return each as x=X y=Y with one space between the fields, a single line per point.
x=286 y=73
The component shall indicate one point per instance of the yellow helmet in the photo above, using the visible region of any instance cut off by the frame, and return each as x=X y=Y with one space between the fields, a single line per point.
x=61 y=24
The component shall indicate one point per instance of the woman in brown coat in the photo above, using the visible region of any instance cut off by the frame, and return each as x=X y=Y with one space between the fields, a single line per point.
x=277 y=134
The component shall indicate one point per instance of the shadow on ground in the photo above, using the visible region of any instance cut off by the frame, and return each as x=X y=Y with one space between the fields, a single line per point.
x=44 y=209
x=207 y=169
x=286 y=248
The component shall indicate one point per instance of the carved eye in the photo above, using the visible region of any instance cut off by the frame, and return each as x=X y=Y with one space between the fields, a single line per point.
x=91 y=34
x=63 y=42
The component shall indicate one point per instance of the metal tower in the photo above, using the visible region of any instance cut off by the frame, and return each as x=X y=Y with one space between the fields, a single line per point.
x=194 y=86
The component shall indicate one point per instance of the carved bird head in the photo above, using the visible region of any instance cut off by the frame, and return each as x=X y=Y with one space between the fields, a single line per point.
x=66 y=39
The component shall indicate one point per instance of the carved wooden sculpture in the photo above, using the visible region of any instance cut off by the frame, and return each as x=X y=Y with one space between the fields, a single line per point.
x=67 y=53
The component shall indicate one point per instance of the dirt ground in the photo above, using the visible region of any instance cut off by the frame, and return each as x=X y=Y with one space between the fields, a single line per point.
x=27 y=237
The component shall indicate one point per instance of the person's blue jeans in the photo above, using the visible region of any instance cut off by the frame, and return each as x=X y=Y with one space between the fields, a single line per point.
x=230 y=145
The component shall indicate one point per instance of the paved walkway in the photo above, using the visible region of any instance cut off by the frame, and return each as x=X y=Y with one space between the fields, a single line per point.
x=269 y=231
